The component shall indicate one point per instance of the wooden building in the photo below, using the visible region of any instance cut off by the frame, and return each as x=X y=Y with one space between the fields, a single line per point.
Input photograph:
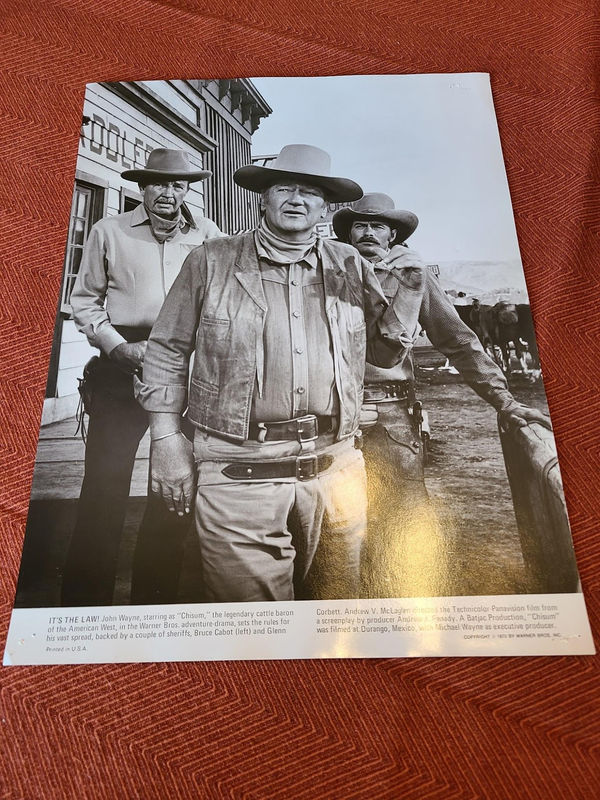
x=213 y=120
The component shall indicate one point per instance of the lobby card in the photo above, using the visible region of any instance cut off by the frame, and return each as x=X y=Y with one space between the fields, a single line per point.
x=455 y=530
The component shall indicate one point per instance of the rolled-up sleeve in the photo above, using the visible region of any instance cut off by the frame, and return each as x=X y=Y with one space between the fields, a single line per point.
x=164 y=383
x=449 y=334
x=88 y=297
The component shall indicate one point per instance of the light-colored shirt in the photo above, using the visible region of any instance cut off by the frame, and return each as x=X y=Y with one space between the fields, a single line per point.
x=125 y=274
x=299 y=376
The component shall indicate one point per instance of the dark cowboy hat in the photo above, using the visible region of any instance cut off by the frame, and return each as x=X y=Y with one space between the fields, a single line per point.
x=375 y=206
x=166 y=164
x=301 y=163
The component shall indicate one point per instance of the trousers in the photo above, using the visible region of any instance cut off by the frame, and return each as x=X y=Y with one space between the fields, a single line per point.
x=116 y=426
x=404 y=551
x=282 y=539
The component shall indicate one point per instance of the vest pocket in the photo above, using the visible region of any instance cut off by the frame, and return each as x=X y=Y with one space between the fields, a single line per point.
x=215 y=327
x=203 y=397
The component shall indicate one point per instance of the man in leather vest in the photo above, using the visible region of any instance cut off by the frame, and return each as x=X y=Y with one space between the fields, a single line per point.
x=281 y=323
x=405 y=553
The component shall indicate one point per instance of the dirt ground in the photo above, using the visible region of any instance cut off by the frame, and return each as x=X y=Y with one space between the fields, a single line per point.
x=467 y=482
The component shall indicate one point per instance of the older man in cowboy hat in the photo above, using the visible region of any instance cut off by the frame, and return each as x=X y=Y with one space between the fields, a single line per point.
x=399 y=516
x=280 y=323
x=129 y=263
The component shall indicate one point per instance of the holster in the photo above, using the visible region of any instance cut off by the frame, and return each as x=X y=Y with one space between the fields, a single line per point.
x=86 y=383
x=393 y=445
x=85 y=387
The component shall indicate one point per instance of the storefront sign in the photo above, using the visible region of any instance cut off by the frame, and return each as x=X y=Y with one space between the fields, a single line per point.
x=113 y=142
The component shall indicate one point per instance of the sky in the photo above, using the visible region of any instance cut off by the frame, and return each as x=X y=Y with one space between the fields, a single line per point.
x=429 y=141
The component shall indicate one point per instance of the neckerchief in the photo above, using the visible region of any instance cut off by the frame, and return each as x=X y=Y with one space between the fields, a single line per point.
x=280 y=251
x=164 y=229
x=377 y=261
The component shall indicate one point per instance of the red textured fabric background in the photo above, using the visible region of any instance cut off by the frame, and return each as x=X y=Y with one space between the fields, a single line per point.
x=446 y=728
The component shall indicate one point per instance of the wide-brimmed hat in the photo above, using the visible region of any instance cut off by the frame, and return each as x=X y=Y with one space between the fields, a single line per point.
x=165 y=164
x=375 y=206
x=302 y=163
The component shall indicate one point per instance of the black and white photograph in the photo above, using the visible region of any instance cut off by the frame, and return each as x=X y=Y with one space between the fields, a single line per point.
x=294 y=359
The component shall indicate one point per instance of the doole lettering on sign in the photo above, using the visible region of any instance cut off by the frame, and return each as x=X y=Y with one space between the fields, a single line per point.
x=109 y=140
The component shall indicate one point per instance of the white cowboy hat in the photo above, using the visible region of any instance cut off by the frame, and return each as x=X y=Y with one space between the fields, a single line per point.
x=301 y=163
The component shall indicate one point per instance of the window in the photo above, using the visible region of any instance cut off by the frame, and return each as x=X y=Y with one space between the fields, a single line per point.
x=86 y=209
x=128 y=200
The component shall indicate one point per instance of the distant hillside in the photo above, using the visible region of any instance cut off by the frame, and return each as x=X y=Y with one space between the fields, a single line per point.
x=483 y=277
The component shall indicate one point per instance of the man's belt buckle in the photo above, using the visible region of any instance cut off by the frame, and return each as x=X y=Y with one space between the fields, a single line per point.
x=307 y=467
x=307 y=428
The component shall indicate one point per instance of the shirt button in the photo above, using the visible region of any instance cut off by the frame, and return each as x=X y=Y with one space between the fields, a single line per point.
x=295 y=314
x=294 y=282
x=300 y=390
x=299 y=350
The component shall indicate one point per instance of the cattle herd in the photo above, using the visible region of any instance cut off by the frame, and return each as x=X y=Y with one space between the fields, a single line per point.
x=506 y=332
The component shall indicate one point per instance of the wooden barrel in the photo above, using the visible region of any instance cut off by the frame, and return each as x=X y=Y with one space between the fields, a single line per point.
x=538 y=498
